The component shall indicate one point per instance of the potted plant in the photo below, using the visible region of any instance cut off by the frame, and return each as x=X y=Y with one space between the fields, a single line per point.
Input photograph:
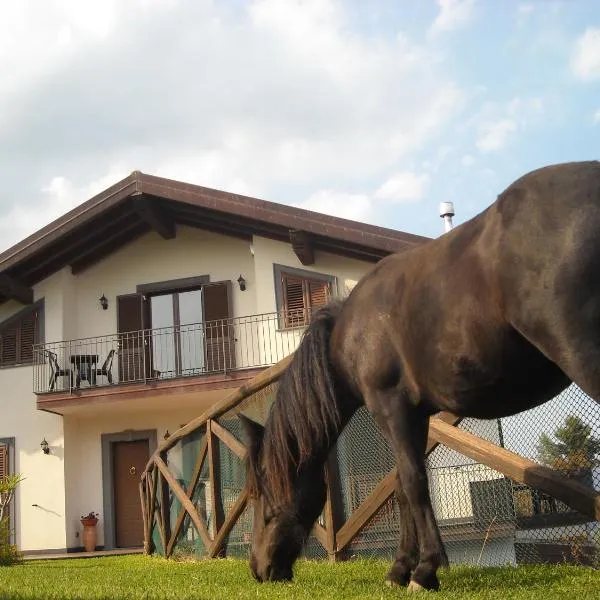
x=89 y=523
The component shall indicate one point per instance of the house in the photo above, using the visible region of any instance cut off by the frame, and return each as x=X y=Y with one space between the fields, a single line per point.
x=132 y=314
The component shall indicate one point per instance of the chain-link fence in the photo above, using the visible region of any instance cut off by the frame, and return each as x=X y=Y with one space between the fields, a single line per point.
x=485 y=518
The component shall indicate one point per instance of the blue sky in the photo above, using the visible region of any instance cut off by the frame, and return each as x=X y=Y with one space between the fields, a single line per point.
x=373 y=110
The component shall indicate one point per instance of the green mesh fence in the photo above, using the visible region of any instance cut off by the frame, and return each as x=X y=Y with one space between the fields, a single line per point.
x=484 y=517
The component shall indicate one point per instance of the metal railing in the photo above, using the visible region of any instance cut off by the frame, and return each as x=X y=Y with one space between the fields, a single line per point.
x=207 y=348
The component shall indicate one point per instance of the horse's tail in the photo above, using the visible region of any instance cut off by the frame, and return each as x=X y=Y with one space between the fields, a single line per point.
x=306 y=409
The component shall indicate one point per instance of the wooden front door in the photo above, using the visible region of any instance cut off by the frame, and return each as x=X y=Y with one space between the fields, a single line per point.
x=129 y=460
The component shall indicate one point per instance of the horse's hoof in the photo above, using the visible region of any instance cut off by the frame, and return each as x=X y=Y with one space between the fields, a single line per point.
x=414 y=587
x=392 y=584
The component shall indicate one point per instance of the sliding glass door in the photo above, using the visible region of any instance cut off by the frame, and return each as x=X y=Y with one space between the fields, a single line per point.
x=177 y=333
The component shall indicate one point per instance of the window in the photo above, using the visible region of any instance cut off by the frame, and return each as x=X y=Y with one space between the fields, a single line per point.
x=3 y=461
x=299 y=293
x=18 y=334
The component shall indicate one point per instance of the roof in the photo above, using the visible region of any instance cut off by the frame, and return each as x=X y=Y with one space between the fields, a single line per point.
x=141 y=203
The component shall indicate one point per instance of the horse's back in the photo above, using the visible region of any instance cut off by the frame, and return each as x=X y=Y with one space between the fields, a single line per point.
x=482 y=311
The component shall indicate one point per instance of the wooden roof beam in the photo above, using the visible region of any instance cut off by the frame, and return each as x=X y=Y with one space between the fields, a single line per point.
x=302 y=246
x=111 y=244
x=153 y=216
x=15 y=290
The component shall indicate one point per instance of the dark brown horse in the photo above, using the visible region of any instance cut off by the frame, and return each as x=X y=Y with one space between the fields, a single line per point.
x=495 y=317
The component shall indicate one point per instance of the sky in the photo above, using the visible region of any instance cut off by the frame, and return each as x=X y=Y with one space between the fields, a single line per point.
x=375 y=111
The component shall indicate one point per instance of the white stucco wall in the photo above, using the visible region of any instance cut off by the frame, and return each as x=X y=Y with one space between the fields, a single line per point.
x=149 y=259
x=268 y=252
x=83 y=465
x=68 y=482
x=40 y=500
x=42 y=526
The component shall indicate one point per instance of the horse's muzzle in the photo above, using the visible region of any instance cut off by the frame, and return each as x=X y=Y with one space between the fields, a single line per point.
x=269 y=573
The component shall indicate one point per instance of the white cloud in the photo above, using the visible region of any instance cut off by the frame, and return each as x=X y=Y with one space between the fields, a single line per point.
x=596 y=117
x=496 y=124
x=495 y=135
x=467 y=160
x=453 y=14
x=403 y=187
x=58 y=197
x=523 y=13
x=585 y=60
x=269 y=115
x=336 y=203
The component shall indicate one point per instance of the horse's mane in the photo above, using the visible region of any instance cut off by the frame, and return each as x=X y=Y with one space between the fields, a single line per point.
x=304 y=417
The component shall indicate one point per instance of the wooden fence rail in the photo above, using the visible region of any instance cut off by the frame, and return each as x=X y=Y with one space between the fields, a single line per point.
x=158 y=486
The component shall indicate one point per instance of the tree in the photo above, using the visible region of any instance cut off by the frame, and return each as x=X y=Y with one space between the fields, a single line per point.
x=9 y=553
x=575 y=450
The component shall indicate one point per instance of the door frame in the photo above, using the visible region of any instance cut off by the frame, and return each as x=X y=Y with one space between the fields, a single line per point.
x=108 y=496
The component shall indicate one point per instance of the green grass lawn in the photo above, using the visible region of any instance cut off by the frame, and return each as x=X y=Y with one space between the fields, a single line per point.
x=127 y=577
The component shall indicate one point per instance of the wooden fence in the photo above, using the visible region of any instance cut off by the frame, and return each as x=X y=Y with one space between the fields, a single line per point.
x=161 y=490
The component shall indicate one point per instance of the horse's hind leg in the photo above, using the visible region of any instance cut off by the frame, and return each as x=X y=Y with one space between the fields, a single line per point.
x=407 y=428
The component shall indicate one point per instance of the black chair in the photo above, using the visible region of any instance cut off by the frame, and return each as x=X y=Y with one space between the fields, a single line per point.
x=106 y=368
x=56 y=370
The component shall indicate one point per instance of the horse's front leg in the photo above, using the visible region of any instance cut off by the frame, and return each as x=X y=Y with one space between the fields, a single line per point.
x=407 y=429
x=407 y=554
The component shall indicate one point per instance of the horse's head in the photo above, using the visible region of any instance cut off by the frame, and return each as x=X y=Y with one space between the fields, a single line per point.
x=282 y=522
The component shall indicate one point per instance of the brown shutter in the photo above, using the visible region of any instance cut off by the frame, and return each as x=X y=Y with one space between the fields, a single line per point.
x=217 y=301
x=9 y=347
x=220 y=349
x=318 y=292
x=17 y=337
x=28 y=337
x=294 y=300
x=3 y=460
x=130 y=313
x=134 y=347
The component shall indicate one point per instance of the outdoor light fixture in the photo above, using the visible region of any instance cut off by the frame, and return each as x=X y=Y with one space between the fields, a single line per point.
x=242 y=283
x=45 y=447
x=104 y=302
x=167 y=435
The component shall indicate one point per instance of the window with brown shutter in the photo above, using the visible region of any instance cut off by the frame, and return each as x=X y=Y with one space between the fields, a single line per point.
x=18 y=334
x=300 y=295
x=3 y=460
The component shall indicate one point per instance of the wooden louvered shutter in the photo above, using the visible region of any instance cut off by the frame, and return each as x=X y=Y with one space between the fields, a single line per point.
x=9 y=347
x=318 y=293
x=294 y=301
x=28 y=337
x=3 y=460
x=220 y=338
x=134 y=340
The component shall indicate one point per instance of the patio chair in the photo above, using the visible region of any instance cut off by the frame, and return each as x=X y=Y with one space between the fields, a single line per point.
x=56 y=370
x=106 y=368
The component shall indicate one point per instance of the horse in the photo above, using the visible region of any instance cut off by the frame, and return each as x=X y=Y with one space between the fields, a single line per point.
x=494 y=317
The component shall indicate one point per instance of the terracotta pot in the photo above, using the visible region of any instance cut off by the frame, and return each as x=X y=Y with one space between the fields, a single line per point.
x=89 y=534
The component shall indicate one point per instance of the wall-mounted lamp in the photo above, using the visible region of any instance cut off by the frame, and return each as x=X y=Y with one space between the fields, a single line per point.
x=242 y=283
x=103 y=302
x=45 y=447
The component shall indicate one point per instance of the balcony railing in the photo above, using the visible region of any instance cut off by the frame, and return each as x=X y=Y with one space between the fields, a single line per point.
x=208 y=348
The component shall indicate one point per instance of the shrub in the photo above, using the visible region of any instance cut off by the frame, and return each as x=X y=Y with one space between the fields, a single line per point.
x=9 y=553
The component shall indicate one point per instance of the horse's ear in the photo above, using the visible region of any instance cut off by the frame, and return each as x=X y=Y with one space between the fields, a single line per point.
x=254 y=432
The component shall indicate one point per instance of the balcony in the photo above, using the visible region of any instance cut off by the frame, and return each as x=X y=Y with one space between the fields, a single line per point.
x=205 y=349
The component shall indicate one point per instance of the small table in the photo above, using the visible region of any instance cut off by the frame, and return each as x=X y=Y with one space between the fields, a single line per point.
x=86 y=367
